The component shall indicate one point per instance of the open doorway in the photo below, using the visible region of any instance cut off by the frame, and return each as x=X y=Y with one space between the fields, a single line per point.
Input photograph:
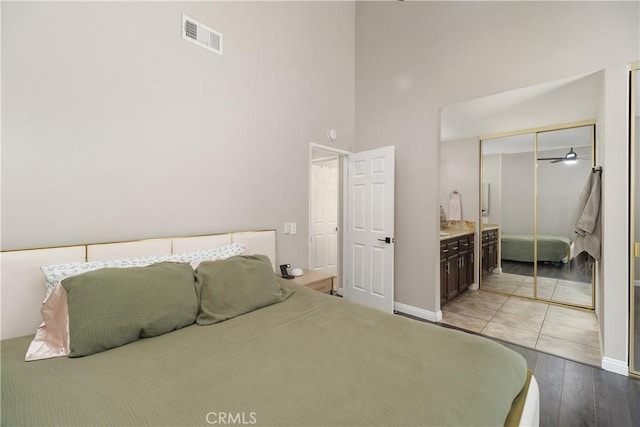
x=351 y=222
x=325 y=211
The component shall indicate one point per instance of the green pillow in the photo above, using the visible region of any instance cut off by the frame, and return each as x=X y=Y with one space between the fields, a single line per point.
x=234 y=286
x=111 y=307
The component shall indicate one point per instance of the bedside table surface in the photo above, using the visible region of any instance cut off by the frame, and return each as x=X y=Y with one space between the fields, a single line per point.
x=310 y=277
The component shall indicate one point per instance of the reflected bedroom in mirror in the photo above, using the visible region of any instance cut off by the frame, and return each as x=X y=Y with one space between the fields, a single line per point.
x=533 y=186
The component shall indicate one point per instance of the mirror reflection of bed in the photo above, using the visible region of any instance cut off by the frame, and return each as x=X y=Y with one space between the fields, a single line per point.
x=535 y=180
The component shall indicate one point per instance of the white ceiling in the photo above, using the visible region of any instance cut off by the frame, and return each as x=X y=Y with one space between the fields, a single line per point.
x=568 y=100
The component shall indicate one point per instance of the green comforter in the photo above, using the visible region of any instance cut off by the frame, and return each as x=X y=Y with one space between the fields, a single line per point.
x=313 y=359
x=519 y=247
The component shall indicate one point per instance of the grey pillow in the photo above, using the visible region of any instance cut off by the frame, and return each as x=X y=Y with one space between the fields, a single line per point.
x=111 y=307
x=234 y=286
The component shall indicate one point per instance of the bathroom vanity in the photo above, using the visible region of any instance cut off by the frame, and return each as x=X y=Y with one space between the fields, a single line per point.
x=456 y=264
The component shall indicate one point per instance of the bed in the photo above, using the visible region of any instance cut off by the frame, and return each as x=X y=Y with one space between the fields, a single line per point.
x=311 y=359
x=551 y=248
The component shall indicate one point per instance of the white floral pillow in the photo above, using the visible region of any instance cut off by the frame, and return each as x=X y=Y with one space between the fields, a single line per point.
x=221 y=252
x=55 y=273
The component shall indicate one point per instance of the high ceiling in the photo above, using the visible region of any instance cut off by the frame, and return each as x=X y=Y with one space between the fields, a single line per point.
x=568 y=100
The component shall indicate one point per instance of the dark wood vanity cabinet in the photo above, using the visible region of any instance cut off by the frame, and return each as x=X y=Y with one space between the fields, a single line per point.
x=456 y=266
x=465 y=260
x=489 y=249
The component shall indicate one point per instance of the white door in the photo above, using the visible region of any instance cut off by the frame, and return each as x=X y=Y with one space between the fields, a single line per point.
x=324 y=216
x=370 y=228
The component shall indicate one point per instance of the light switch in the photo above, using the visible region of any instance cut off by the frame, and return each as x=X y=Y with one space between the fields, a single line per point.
x=287 y=228
x=292 y=228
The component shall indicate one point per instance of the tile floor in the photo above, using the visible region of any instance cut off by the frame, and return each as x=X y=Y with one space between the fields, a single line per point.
x=563 y=331
x=565 y=291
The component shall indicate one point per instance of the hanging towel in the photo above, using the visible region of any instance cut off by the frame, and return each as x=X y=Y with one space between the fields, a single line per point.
x=455 y=207
x=587 y=217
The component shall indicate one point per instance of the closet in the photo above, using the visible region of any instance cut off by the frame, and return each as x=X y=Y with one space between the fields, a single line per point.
x=534 y=180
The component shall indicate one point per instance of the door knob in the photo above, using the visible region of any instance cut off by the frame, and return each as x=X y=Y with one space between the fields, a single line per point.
x=387 y=240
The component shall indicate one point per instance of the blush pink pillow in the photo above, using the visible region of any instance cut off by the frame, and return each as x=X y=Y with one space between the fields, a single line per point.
x=52 y=336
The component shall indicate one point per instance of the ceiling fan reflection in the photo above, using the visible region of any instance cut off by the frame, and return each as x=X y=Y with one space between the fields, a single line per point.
x=569 y=158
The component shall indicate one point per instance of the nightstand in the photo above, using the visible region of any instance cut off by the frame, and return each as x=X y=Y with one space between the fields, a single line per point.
x=317 y=281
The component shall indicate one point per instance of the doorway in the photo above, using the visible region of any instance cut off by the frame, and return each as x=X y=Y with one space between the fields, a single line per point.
x=351 y=221
x=323 y=249
x=326 y=167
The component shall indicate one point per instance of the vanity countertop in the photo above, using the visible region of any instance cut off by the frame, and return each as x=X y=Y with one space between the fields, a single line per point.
x=444 y=234
x=457 y=229
x=486 y=227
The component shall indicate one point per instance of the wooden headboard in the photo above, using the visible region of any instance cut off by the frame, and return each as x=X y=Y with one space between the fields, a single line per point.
x=23 y=286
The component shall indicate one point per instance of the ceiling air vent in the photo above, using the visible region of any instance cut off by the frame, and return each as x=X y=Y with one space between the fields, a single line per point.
x=201 y=35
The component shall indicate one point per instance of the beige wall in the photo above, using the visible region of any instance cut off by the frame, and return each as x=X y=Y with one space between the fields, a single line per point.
x=518 y=184
x=460 y=171
x=414 y=58
x=492 y=175
x=559 y=186
x=116 y=128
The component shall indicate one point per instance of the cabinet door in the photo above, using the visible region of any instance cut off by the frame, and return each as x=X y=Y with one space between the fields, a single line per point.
x=452 y=268
x=465 y=248
x=469 y=266
x=493 y=244
x=443 y=273
x=463 y=284
x=443 y=281
x=452 y=276
x=485 y=256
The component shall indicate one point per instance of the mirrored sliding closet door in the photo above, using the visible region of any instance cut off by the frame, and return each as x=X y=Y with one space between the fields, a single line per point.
x=634 y=314
x=535 y=181
x=507 y=176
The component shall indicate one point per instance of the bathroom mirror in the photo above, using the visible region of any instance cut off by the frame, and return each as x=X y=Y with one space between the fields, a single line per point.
x=536 y=179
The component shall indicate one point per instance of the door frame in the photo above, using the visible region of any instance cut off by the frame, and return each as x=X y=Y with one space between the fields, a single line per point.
x=342 y=204
x=634 y=371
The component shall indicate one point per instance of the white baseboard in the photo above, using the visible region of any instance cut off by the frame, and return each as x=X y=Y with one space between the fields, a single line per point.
x=418 y=312
x=615 y=365
x=474 y=286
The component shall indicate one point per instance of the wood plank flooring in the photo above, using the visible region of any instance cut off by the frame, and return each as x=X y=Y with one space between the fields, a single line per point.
x=574 y=394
